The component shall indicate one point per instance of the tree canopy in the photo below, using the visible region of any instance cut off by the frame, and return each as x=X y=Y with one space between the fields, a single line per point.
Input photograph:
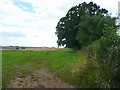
x=80 y=22
x=91 y=28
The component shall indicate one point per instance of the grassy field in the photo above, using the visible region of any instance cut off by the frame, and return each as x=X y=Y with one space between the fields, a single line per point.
x=77 y=68
x=20 y=63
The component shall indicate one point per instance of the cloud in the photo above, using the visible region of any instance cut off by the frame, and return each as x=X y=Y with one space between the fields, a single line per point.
x=12 y=34
x=11 y=25
x=34 y=21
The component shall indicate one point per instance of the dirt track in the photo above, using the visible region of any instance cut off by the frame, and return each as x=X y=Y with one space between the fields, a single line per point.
x=39 y=79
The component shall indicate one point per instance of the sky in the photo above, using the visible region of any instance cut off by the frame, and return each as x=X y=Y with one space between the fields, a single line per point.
x=33 y=22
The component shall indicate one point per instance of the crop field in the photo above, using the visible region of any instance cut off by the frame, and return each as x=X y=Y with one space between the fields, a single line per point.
x=18 y=65
x=28 y=49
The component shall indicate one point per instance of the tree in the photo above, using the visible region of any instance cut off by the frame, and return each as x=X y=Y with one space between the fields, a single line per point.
x=91 y=28
x=17 y=47
x=68 y=26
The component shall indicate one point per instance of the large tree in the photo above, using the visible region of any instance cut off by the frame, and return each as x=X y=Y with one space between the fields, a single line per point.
x=91 y=28
x=68 y=26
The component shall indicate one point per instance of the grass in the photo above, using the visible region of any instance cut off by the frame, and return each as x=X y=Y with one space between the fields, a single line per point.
x=77 y=68
x=21 y=63
x=40 y=85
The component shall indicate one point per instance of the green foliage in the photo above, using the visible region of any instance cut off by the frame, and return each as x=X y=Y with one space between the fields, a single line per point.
x=68 y=26
x=40 y=86
x=110 y=37
x=91 y=28
x=91 y=67
x=111 y=42
x=106 y=52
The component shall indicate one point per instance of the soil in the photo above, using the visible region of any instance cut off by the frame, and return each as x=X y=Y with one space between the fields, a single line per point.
x=41 y=78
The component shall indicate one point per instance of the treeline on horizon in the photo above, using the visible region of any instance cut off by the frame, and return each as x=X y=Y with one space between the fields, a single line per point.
x=26 y=47
x=89 y=28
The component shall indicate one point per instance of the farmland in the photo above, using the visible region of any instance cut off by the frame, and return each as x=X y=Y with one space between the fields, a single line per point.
x=20 y=64
x=90 y=57
x=7 y=48
x=54 y=68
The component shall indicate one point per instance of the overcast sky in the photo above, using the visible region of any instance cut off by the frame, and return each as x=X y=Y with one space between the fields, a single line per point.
x=33 y=22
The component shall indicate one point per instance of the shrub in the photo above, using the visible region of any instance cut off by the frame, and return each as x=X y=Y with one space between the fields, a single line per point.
x=106 y=51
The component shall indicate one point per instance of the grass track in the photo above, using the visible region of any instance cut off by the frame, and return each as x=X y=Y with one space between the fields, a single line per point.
x=21 y=63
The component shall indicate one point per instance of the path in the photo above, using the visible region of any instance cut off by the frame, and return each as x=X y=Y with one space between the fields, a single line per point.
x=40 y=78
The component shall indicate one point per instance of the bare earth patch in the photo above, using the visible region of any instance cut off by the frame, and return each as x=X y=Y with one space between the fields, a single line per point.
x=40 y=78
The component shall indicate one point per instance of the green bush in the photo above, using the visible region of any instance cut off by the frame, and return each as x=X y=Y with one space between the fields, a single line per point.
x=106 y=51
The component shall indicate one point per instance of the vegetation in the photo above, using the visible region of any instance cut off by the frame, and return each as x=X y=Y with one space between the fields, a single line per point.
x=22 y=63
x=88 y=68
x=90 y=29
x=81 y=20
x=40 y=85
x=105 y=53
x=93 y=61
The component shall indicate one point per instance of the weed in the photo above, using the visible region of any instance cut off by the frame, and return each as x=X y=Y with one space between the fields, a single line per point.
x=21 y=81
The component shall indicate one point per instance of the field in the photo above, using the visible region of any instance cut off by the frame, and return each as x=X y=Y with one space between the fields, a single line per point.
x=54 y=68
x=21 y=64
x=28 y=49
